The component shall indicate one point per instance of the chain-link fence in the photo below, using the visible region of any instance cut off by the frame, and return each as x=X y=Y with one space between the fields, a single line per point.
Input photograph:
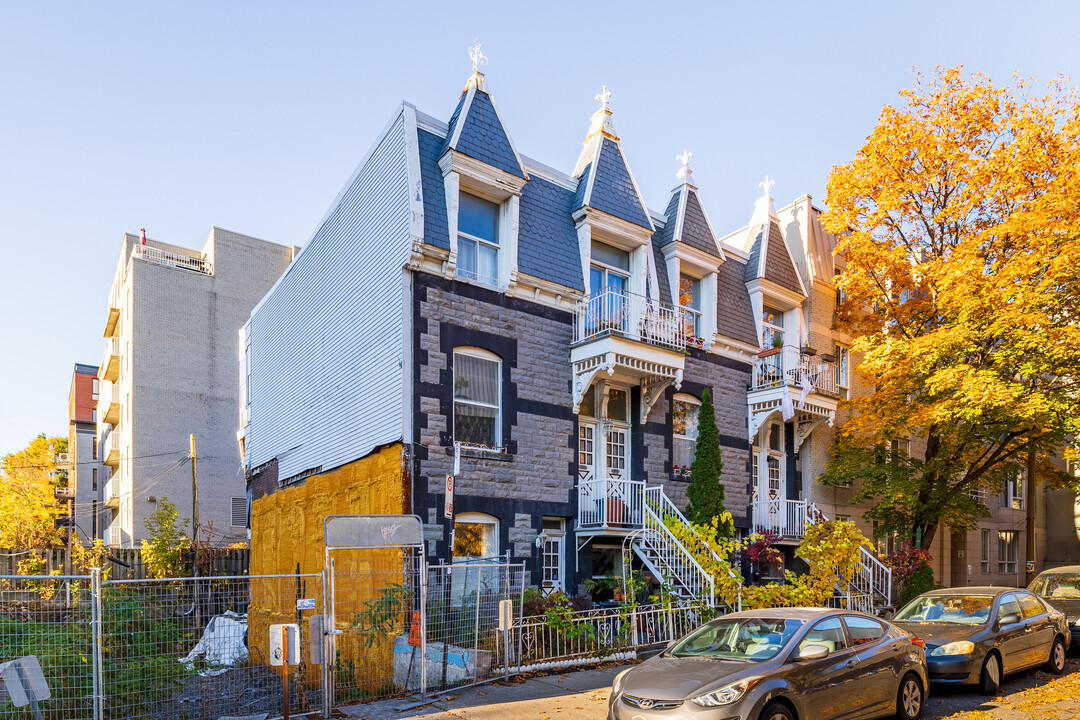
x=464 y=642
x=50 y=619
x=200 y=647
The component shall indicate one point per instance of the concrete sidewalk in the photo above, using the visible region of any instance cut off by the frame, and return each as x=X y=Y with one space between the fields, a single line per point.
x=575 y=695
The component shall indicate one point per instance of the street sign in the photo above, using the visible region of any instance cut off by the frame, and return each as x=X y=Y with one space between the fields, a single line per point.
x=506 y=614
x=24 y=681
x=448 y=502
x=305 y=603
x=277 y=652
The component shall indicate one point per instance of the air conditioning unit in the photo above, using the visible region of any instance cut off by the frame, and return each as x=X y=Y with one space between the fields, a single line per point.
x=62 y=459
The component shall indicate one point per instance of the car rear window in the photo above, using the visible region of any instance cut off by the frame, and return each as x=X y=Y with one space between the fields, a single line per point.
x=1057 y=585
x=954 y=609
x=827 y=633
x=1030 y=606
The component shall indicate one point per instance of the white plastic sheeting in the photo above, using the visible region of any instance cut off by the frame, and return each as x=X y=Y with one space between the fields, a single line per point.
x=222 y=645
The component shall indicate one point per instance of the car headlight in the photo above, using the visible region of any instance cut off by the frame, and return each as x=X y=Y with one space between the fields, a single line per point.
x=725 y=695
x=617 y=683
x=960 y=647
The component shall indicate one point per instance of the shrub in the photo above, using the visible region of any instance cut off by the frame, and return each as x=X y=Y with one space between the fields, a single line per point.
x=922 y=580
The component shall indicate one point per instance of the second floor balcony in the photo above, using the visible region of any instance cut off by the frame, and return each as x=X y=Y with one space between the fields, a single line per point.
x=616 y=312
x=791 y=367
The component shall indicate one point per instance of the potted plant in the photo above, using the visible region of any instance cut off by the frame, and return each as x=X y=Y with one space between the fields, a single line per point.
x=777 y=346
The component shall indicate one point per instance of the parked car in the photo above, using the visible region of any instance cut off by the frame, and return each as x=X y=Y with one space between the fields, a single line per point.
x=809 y=663
x=1061 y=588
x=977 y=635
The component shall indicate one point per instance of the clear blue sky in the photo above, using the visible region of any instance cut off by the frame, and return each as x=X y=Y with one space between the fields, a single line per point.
x=250 y=116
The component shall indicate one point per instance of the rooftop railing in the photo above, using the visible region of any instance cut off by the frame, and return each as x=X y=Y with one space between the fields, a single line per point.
x=164 y=257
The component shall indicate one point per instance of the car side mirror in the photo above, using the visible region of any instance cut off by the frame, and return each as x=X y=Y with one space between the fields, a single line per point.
x=671 y=644
x=1010 y=619
x=812 y=652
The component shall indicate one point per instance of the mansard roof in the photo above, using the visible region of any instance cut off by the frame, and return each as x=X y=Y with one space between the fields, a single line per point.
x=662 y=279
x=475 y=129
x=547 y=239
x=610 y=187
x=734 y=314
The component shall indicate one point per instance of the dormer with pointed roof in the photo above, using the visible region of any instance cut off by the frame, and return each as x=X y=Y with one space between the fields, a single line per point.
x=687 y=247
x=483 y=179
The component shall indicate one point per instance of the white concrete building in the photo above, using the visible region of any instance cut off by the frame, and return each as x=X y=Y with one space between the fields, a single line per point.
x=169 y=371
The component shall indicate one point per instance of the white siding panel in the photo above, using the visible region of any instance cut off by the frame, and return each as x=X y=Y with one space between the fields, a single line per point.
x=326 y=343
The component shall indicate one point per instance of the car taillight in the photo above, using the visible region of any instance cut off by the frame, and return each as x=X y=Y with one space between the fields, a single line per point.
x=916 y=640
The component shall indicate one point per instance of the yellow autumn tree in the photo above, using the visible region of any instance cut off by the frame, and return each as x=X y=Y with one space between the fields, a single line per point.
x=27 y=503
x=959 y=220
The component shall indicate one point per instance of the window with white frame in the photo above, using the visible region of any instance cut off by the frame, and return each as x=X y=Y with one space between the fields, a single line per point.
x=774 y=462
x=772 y=327
x=477 y=397
x=1013 y=497
x=886 y=543
x=843 y=367
x=1006 y=551
x=478 y=239
x=94 y=389
x=684 y=430
x=476 y=535
x=984 y=551
x=690 y=301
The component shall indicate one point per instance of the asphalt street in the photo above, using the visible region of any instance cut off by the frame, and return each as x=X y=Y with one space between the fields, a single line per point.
x=583 y=695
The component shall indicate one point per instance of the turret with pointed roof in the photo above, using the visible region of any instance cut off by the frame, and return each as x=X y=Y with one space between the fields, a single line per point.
x=605 y=182
x=476 y=128
x=769 y=257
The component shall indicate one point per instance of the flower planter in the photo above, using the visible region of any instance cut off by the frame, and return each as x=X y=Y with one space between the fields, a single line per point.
x=807 y=350
x=768 y=353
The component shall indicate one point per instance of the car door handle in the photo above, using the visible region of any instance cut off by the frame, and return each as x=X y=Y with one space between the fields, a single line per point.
x=852 y=662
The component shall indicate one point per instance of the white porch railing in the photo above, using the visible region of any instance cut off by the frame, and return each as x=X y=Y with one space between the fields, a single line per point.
x=610 y=502
x=668 y=557
x=791 y=367
x=617 y=312
x=164 y=257
x=786 y=518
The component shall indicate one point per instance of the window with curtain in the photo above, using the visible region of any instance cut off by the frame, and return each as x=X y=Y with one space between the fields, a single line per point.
x=477 y=397
x=684 y=422
x=478 y=239
x=1006 y=552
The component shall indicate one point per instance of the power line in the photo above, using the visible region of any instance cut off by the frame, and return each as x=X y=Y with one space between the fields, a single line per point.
x=96 y=462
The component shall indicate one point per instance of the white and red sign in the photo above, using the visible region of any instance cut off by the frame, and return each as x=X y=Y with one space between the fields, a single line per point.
x=448 y=502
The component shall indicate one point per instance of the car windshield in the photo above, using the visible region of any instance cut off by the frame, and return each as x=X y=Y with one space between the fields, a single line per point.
x=1057 y=585
x=957 y=609
x=750 y=639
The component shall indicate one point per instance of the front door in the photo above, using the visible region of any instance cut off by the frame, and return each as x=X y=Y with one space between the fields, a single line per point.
x=553 y=558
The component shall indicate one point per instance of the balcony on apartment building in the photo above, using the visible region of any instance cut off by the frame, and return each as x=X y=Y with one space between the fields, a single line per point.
x=64 y=493
x=791 y=367
x=109 y=403
x=110 y=362
x=786 y=518
x=171 y=259
x=109 y=448
x=610 y=505
x=111 y=494
x=114 y=535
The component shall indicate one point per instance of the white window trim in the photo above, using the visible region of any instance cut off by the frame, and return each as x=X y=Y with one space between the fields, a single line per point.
x=693 y=263
x=471 y=182
x=479 y=518
x=483 y=355
x=1004 y=559
x=689 y=400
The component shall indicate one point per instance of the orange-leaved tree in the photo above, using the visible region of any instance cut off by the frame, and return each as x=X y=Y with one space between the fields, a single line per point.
x=27 y=502
x=959 y=221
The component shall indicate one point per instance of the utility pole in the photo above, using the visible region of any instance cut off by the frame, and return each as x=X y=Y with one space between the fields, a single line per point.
x=194 y=504
x=1030 y=497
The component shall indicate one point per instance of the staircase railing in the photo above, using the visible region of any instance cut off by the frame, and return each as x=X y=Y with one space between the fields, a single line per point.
x=685 y=571
x=872 y=577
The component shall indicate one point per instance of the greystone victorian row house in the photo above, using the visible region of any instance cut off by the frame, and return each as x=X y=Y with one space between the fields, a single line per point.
x=555 y=334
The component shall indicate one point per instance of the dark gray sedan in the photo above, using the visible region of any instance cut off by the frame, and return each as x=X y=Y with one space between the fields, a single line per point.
x=779 y=664
x=977 y=635
x=1060 y=588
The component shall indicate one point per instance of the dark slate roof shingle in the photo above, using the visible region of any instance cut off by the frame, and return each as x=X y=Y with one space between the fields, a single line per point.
x=483 y=137
x=751 y=270
x=667 y=234
x=431 y=180
x=778 y=265
x=695 y=231
x=734 y=314
x=662 y=279
x=445 y=145
x=613 y=189
x=547 y=238
x=579 y=194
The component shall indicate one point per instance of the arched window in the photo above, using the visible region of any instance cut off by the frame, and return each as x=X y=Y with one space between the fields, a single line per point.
x=684 y=430
x=477 y=397
x=475 y=535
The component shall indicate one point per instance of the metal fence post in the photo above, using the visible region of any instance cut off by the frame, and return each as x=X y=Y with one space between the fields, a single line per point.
x=325 y=640
x=95 y=632
x=633 y=627
x=423 y=627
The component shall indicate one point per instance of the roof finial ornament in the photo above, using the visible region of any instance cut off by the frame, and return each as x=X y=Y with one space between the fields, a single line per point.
x=603 y=97
x=685 y=158
x=767 y=185
x=476 y=56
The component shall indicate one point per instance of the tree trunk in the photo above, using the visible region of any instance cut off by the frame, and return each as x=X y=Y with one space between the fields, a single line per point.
x=929 y=530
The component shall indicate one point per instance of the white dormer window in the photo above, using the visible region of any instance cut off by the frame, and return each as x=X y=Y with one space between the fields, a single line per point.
x=610 y=267
x=772 y=327
x=478 y=239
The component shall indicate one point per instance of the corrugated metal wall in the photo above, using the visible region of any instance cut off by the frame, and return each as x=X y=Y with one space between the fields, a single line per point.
x=325 y=383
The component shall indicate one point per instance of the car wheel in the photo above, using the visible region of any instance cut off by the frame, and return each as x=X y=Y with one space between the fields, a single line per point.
x=909 y=698
x=1056 y=663
x=990 y=676
x=776 y=711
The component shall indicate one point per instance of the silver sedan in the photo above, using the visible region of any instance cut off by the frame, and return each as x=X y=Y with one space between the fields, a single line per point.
x=779 y=664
